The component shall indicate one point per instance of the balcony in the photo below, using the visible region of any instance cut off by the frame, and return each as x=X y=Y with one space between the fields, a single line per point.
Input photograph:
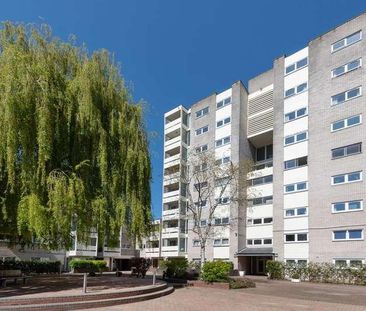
x=172 y=143
x=171 y=214
x=173 y=125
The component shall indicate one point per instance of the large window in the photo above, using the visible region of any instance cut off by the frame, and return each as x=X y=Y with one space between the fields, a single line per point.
x=296 y=237
x=261 y=201
x=353 y=263
x=296 y=90
x=202 y=130
x=223 y=122
x=346 y=123
x=224 y=102
x=296 y=212
x=202 y=112
x=221 y=242
x=260 y=221
x=344 y=235
x=222 y=141
x=200 y=186
x=296 y=138
x=202 y=148
x=295 y=163
x=348 y=206
x=346 y=151
x=221 y=221
x=260 y=180
x=346 y=68
x=346 y=41
x=296 y=66
x=345 y=96
x=223 y=160
x=347 y=178
x=264 y=153
x=258 y=242
x=297 y=187
x=293 y=115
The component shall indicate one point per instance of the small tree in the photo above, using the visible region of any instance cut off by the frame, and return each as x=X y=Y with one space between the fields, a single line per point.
x=209 y=183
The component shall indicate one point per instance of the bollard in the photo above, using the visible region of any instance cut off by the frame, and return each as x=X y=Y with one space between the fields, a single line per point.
x=154 y=277
x=84 y=283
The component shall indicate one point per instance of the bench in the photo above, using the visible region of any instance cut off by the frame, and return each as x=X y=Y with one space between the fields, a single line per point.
x=12 y=275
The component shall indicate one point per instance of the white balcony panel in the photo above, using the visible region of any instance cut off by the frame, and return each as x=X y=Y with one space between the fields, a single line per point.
x=296 y=223
x=296 y=78
x=172 y=126
x=260 y=231
x=295 y=175
x=171 y=194
x=260 y=190
x=296 y=250
x=260 y=211
x=171 y=214
x=296 y=126
x=221 y=252
x=260 y=173
x=296 y=102
x=298 y=199
x=172 y=143
x=295 y=151
x=290 y=59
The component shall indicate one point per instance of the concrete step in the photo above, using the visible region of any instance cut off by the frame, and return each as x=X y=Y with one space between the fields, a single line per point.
x=102 y=301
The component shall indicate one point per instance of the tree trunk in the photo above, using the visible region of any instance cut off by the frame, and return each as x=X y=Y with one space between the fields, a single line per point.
x=203 y=254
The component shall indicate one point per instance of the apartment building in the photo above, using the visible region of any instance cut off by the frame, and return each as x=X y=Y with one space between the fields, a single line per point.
x=301 y=123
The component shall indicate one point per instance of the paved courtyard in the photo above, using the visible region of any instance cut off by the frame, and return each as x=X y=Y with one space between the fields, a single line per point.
x=272 y=295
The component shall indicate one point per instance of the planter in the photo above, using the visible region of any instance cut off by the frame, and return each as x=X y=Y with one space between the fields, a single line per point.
x=242 y=273
x=199 y=283
x=295 y=280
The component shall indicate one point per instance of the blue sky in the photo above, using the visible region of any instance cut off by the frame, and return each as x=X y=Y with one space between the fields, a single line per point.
x=177 y=52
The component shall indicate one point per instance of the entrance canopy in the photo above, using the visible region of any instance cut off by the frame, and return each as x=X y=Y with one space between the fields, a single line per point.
x=255 y=251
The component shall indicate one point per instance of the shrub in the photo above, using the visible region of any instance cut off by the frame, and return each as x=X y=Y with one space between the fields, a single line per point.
x=235 y=283
x=275 y=269
x=216 y=271
x=32 y=266
x=141 y=265
x=175 y=267
x=82 y=265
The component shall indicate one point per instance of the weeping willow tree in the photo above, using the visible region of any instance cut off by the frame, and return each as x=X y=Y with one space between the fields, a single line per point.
x=73 y=147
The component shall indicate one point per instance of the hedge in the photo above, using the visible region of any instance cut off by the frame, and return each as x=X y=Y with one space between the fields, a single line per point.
x=216 y=271
x=175 y=267
x=317 y=272
x=32 y=266
x=82 y=265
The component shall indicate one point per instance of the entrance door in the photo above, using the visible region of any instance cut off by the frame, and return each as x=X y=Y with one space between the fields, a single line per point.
x=261 y=264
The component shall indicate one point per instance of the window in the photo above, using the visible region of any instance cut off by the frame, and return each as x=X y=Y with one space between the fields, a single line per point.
x=345 y=96
x=346 y=41
x=296 y=66
x=293 y=115
x=202 y=130
x=296 y=261
x=222 y=182
x=296 y=90
x=223 y=103
x=261 y=201
x=345 y=123
x=353 y=263
x=346 y=68
x=221 y=242
x=202 y=112
x=222 y=141
x=293 y=139
x=200 y=168
x=301 y=186
x=266 y=241
x=196 y=243
x=348 y=206
x=201 y=185
x=342 y=235
x=347 y=178
x=261 y=180
x=223 y=160
x=346 y=151
x=221 y=221
x=224 y=200
x=202 y=203
x=296 y=237
x=223 y=122
x=295 y=163
x=264 y=153
x=299 y=211
x=260 y=221
x=202 y=148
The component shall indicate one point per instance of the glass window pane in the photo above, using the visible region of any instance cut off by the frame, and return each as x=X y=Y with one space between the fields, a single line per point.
x=340 y=235
x=353 y=120
x=267 y=241
x=301 y=211
x=302 y=63
x=249 y=242
x=354 y=176
x=301 y=136
x=340 y=263
x=257 y=221
x=338 y=71
x=338 y=207
x=339 y=152
x=338 y=179
x=269 y=152
x=339 y=98
x=289 y=140
x=290 y=212
x=290 y=68
x=301 y=186
x=356 y=148
x=338 y=44
x=338 y=125
x=301 y=112
x=353 y=93
x=354 y=205
x=302 y=87
x=302 y=237
x=290 y=188
x=355 y=263
x=225 y=241
x=290 y=238
x=267 y=220
x=290 y=116
x=353 y=38
x=227 y=101
x=353 y=65
x=290 y=164
x=219 y=104
x=290 y=92
x=257 y=242
x=261 y=154
x=355 y=234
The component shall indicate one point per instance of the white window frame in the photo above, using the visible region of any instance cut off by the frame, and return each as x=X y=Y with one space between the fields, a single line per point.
x=258 y=239
x=250 y=181
x=220 y=200
x=223 y=160
x=346 y=207
x=295 y=209
x=296 y=234
x=296 y=92
x=250 y=221
x=296 y=260
x=201 y=129
x=347 y=235
x=346 y=70
x=332 y=49
x=296 y=116
x=296 y=184
x=224 y=102
x=348 y=261
x=225 y=121
x=346 y=126
x=221 y=221
x=295 y=138
x=222 y=141
x=346 y=177
x=195 y=243
x=202 y=111
x=345 y=151
x=346 y=97
x=296 y=68
x=220 y=243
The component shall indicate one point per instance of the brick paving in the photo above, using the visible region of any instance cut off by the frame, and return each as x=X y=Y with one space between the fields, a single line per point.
x=271 y=295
